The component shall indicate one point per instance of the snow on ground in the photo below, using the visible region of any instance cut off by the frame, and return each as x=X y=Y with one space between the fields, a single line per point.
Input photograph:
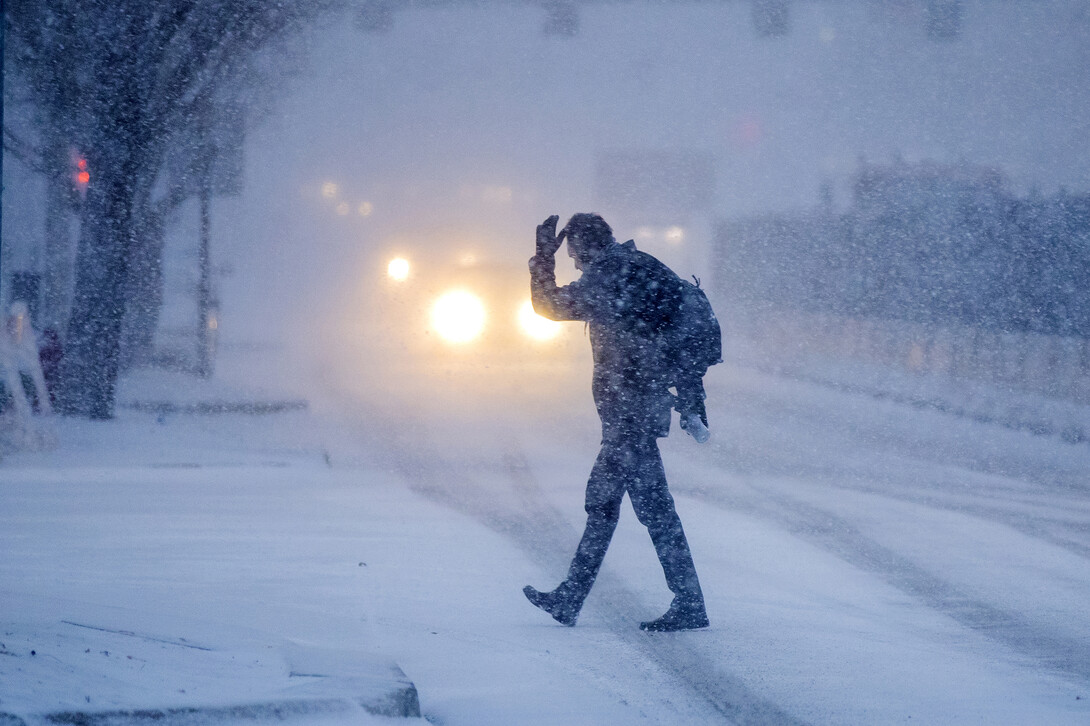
x=864 y=561
x=171 y=576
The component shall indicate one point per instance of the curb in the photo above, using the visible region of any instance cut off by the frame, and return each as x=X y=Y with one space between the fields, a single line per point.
x=401 y=701
x=288 y=680
x=205 y=408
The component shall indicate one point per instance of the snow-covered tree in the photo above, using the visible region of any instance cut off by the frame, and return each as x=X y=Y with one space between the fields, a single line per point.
x=123 y=82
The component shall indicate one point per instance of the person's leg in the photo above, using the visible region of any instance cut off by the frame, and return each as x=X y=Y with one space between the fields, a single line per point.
x=654 y=507
x=605 y=489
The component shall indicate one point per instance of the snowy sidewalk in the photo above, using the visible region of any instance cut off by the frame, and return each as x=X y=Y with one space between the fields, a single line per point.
x=175 y=569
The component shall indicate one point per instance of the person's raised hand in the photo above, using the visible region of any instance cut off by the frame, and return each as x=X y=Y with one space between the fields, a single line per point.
x=547 y=240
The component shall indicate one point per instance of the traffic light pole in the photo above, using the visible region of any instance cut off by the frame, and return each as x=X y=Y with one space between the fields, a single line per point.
x=204 y=283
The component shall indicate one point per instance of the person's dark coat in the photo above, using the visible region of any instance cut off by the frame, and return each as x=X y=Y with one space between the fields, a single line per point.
x=627 y=297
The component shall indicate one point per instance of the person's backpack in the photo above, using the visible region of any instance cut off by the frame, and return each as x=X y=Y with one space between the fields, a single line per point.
x=693 y=340
x=696 y=341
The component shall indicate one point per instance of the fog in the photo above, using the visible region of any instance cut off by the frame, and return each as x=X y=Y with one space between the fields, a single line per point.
x=465 y=125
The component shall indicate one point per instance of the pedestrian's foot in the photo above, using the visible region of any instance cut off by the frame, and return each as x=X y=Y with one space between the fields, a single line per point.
x=560 y=607
x=678 y=617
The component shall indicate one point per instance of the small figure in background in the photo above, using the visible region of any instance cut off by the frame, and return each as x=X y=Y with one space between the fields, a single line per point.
x=19 y=357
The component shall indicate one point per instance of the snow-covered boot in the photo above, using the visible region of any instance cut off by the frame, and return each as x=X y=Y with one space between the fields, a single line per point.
x=557 y=603
x=682 y=615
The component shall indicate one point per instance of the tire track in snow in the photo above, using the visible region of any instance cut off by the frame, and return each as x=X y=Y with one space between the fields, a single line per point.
x=837 y=535
x=979 y=476
x=1051 y=528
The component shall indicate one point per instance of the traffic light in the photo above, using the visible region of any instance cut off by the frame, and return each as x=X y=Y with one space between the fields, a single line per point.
x=81 y=174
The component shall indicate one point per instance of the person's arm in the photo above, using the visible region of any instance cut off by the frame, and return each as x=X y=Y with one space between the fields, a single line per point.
x=691 y=395
x=570 y=302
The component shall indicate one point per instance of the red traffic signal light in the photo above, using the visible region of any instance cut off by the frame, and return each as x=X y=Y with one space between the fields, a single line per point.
x=82 y=175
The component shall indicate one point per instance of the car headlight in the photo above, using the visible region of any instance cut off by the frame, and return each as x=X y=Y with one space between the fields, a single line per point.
x=458 y=316
x=398 y=269
x=534 y=325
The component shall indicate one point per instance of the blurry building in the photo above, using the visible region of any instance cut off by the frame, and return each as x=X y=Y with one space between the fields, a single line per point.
x=926 y=243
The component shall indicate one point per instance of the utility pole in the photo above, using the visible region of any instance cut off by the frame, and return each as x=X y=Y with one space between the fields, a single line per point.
x=205 y=318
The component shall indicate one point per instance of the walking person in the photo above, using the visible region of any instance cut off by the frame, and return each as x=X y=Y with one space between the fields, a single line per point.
x=630 y=301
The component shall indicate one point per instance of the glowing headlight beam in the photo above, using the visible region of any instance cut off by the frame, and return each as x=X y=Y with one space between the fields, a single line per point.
x=458 y=316
x=534 y=325
x=398 y=269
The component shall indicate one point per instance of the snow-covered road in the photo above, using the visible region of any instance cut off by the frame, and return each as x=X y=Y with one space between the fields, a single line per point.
x=864 y=561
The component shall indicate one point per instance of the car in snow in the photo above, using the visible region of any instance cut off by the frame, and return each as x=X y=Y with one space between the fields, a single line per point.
x=468 y=313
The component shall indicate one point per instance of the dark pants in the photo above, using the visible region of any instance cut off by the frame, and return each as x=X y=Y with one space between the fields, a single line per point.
x=631 y=463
